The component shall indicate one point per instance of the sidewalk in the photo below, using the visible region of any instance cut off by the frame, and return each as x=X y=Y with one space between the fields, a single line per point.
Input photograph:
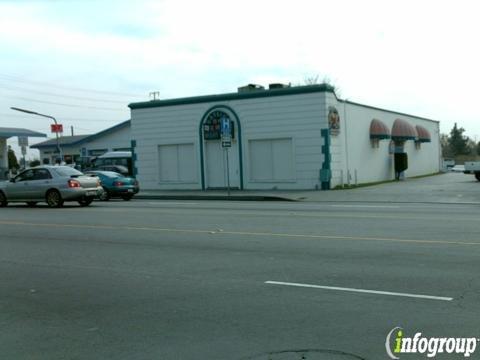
x=451 y=188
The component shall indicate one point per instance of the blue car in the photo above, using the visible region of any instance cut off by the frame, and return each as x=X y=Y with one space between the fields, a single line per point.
x=116 y=185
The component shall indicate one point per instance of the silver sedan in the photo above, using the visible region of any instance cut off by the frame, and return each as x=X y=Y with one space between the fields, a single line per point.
x=51 y=184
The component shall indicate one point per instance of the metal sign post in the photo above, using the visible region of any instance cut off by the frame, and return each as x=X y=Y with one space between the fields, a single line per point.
x=23 y=143
x=228 y=174
x=226 y=143
x=24 y=152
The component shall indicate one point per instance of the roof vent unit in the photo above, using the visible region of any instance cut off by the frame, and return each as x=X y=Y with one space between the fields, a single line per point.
x=274 y=86
x=250 y=87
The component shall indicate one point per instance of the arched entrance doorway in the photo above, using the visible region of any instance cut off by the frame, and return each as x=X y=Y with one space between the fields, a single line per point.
x=213 y=156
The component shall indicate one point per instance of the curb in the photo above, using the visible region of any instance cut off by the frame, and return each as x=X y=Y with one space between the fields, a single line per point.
x=391 y=202
x=214 y=197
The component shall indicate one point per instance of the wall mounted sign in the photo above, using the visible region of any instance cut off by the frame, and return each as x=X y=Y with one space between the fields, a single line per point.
x=333 y=120
x=212 y=127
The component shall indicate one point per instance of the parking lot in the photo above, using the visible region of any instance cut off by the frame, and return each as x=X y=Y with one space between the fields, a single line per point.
x=237 y=280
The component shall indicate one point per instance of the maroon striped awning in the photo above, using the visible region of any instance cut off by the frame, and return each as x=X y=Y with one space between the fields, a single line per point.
x=378 y=130
x=423 y=134
x=402 y=131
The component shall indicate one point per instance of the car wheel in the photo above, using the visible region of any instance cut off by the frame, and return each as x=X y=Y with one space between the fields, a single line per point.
x=105 y=195
x=85 y=202
x=477 y=176
x=32 y=203
x=127 y=197
x=54 y=199
x=3 y=200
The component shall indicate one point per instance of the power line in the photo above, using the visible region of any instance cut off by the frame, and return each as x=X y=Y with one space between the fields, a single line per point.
x=58 y=117
x=20 y=79
x=14 y=88
x=62 y=104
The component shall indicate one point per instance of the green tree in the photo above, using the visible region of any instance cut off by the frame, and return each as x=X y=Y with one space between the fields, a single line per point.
x=12 y=159
x=445 y=144
x=457 y=142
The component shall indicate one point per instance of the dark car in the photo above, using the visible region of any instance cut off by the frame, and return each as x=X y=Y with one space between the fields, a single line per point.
x=116 y=185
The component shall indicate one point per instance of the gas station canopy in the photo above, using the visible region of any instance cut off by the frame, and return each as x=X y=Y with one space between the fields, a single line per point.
x=10 y=132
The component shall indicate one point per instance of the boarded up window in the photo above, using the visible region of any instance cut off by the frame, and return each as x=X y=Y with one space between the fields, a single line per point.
x=271 y=160
x=177 y=163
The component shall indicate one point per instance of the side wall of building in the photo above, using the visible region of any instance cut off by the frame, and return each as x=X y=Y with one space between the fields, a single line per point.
x=355 y=160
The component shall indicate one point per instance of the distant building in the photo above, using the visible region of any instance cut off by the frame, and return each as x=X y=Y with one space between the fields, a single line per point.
x=6 y=133
x=80 y=147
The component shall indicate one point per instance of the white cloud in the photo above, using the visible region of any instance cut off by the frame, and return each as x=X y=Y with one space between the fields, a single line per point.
x=414 y=57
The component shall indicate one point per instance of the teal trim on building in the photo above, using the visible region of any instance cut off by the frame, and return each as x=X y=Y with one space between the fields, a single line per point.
x=380 y=136
x=253 y=94
x=133 y=145
x=403 y=138
x=326 y=170
x=240 y=147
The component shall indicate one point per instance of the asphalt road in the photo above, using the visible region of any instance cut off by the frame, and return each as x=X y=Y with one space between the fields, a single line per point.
x=187 y=280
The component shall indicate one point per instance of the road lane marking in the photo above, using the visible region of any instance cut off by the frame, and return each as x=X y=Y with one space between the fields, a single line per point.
x=171 y=203
x=275 y=214
x=376 y=292
x=244 y=233
x=367 y=206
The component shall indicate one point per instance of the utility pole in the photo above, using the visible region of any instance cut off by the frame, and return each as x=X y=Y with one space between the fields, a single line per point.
x=59 y=149
x=155 y=95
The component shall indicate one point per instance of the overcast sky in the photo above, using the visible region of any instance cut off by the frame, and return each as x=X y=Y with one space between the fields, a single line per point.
x=85 y=61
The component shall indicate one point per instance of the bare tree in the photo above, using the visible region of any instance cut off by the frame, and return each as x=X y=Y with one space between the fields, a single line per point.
x=311 y=80
x=314 y=80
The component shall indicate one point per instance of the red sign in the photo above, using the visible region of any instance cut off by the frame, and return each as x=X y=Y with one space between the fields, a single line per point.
x=56 y=128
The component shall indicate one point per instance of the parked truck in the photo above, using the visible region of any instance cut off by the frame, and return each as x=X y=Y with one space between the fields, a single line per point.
x=473 y=167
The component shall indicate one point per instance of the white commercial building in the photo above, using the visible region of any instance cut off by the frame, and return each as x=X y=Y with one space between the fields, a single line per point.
x=291 y=138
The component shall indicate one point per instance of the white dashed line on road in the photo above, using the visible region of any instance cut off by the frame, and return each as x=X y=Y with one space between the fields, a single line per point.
x=376 y=292
x=367 y=206
x=172 y=203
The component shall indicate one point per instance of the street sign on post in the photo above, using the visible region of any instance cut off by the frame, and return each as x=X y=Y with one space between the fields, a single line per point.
x=24 y=150
x=226 y=131
x=226 y=126
x=56 y=128
x=226 y=141
x=22 y=141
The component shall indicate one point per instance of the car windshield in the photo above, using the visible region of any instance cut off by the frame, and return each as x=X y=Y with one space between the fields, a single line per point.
x=67 y=171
